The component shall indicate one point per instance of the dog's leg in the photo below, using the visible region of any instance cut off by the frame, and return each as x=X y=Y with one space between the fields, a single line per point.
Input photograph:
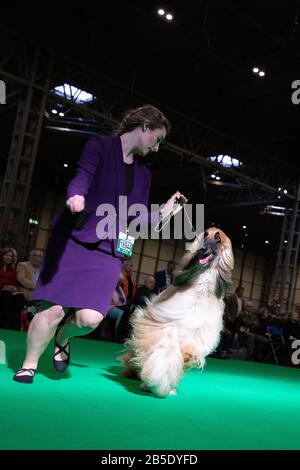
x=129 y=371
x=162 y=367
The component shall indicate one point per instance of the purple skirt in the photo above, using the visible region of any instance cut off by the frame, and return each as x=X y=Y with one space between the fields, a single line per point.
x=77 y=275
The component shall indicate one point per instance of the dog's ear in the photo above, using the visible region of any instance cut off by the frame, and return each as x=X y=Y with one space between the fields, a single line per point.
x=226 y=260
x=226 y=265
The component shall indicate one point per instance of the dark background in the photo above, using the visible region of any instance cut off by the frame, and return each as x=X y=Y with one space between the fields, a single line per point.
x=200 y=65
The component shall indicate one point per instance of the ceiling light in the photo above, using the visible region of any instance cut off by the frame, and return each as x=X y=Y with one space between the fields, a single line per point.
x=169 y=17
x=261 y=73
x=226 y=160
x=255 y=70
x=73 y=93
x=161 y=12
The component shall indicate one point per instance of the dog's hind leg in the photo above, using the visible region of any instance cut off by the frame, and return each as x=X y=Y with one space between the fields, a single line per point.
x=162 y=367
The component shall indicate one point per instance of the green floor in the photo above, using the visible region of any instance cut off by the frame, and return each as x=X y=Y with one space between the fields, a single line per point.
x=231 y=405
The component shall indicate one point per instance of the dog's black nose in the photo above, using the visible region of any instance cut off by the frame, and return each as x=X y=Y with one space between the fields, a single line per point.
x=206 y=249
x=209 y=247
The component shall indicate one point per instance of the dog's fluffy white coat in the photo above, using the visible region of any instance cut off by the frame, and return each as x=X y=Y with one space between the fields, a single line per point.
x=181 y=326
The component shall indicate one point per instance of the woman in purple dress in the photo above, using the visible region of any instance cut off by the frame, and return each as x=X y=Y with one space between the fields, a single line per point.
x=81 y=267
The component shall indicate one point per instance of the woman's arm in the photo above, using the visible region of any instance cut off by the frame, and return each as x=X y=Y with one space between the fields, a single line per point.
x=86 y=168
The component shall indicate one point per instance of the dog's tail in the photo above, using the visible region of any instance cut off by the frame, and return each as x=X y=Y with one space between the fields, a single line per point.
x=163 y=366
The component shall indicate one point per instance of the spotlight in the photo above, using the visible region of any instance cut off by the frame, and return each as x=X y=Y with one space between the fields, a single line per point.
x=161 y=12
x=66 y=165
x=53 y=111
x=255 y=70
x=169 y=17
x=261 y=73
x=244 y=227
x=213 y=176
x=267 y=242
x=218 y=178
x=33 y=221
x=61 y=114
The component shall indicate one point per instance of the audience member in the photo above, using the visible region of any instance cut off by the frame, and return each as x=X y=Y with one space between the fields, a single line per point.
x=144 y=292
x=28 y=273
x=118 y=304
x=164 y=279
x=11 y=300
x=128 y=284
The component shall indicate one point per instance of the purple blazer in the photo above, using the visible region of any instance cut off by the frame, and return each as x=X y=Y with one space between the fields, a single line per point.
x=100 y=178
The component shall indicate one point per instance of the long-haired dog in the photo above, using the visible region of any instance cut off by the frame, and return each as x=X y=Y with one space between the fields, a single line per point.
x=181 y=326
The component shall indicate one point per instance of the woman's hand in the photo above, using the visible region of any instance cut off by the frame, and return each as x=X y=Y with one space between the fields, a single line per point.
x=174 y=204
x=76 y=203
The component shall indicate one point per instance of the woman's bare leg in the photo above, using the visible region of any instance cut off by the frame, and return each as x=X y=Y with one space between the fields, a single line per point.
x=81 y=323
x=41 y=330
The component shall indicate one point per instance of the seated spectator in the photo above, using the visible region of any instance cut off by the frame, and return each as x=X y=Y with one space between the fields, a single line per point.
x=128 y=284
x=223 y=349
x=28 y=273
x=129 y=289
x=274 y=306
x=251 y=334
x=234 y=307
x=164 y=279
x=144 y=292
x=116 y=309
x=11 y=300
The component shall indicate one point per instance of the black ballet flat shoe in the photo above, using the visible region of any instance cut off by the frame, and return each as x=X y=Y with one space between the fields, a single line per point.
x=24 y=379
x=61 y=366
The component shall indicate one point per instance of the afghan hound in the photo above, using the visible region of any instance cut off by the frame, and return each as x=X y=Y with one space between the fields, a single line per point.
x=179 y=327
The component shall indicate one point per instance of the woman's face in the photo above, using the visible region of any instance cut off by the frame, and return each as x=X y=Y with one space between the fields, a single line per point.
x=128 y=266
x=7 y=258
x=150 y=140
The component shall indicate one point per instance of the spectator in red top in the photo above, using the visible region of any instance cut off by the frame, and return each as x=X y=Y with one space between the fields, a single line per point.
x=128 y=284
x=8 y=272
x=11 y=301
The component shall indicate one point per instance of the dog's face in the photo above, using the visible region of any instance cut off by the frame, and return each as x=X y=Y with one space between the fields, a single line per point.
x=211 y=250
x=216 y=245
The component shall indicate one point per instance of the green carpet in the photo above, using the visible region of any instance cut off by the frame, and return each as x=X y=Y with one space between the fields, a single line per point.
x=231 y=405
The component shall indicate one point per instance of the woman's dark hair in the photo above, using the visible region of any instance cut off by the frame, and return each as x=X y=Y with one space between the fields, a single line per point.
x=144 y=115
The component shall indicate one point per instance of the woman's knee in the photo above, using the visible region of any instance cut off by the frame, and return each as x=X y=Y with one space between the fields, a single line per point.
x=53 y=314
x=88 y=318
